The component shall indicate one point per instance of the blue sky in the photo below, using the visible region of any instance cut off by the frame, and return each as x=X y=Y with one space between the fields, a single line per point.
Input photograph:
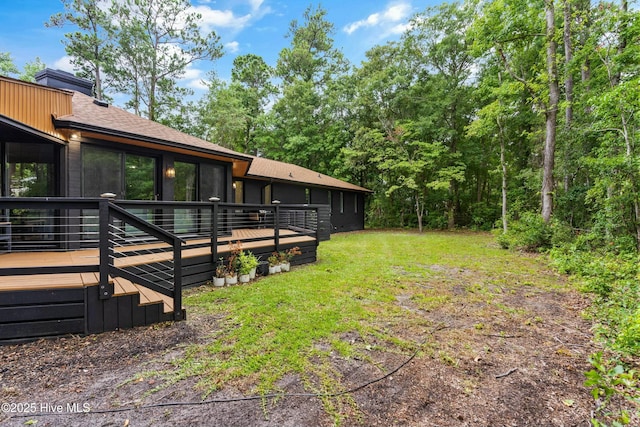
x=245 y=26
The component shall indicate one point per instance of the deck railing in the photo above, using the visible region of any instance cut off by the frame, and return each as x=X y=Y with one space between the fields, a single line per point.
x=78 y=225
x=141 y=241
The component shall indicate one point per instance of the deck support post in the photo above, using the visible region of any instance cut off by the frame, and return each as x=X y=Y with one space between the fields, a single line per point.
x=177 y=279
x=276 y=225
x=106 y=248
x=215 y=207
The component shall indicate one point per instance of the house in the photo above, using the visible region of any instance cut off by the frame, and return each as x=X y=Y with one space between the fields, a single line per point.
x=79 y=175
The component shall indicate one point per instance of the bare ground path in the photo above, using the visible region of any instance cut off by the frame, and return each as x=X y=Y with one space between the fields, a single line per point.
x=498 y=353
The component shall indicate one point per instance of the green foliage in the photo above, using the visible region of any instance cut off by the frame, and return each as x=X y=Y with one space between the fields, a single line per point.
x=609 y=272
x=609 y=379
x=529 y=233
x=92 y=46
x=345 y=305
x=7 y=66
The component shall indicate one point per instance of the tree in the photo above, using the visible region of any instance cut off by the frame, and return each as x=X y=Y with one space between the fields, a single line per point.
x=7 y=67
x=439 y=46
x=222 y=116
x=309 y=107
x=91 y=48
x=156 y=41
x=514 y=32
x=31 y=69
x=251 y=77
x=551 y=112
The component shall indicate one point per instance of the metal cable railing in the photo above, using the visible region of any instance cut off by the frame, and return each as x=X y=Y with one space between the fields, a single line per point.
x=144 y=252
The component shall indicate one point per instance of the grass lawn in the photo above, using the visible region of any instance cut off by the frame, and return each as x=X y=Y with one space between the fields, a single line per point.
x=369 y=292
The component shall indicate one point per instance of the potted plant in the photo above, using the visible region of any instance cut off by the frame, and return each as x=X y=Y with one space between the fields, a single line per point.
x=287 y=256
x=220 y=273
x=254 y=261
x=245 y=264
x=274 y=263
x=233 y=264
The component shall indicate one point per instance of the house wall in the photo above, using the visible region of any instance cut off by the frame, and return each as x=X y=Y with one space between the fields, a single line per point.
x=253 y=191
x=348 y=218
x=347 y=214
x=289 y=193
x=33 y=105
x=164 y=160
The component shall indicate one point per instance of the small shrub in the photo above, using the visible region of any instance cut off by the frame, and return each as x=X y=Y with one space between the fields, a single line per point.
x=530 y=234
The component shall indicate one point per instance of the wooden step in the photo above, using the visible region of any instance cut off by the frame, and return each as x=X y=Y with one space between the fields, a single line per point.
x=123 y=286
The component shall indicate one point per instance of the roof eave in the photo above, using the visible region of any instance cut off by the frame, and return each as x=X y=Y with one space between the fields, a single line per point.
x=70 y=124
x=28 y=129
x=312 y=184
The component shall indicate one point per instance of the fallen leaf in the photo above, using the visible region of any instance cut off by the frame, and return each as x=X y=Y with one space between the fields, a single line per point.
x=568 y=402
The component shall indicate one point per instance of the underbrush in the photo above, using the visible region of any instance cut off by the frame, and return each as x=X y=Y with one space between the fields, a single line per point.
x=609 y=270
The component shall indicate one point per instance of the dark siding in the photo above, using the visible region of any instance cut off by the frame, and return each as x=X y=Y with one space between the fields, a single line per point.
x=319 y=196
x=324 y=223
x=289 y=193
x=349 y=219
x=32 y=314
x=74 y=164
x=253 y=191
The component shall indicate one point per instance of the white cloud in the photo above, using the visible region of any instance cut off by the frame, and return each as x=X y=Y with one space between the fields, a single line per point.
x=64 y=64
x=255 y=4
x=197 y=84
x=232 y=47
x=216 y=19
x=193 y=78
x=387 y=20
x=192 y=73
x=212 y=18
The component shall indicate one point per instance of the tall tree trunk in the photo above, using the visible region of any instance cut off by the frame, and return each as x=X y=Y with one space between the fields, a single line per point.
x=568 y=87
x=419 y=212
x=503 y=166
x=551 y=114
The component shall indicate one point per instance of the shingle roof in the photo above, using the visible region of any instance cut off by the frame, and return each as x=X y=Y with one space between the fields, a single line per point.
x=90 y=115
x=273 y=169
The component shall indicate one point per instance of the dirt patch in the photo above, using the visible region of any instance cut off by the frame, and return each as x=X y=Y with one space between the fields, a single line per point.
x=510 y=358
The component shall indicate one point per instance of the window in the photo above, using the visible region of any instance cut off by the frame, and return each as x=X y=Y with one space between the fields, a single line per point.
x=238 y=190
x=355 y=203
x=101 y=172
x=128 y=176
x=212 y=181
x=266 y=194
x=139 y=177
x=185 y=190
x=31 y=172
x=341 y=202
x=31 y=169
x=185 y=185
x=307 y=196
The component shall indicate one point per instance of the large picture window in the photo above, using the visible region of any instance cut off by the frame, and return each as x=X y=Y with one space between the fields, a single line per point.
x=31 y=172
x=128 y=176
x=31 y=169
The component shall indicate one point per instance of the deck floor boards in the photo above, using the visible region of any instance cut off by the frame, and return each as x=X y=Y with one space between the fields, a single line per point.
x=90 y=257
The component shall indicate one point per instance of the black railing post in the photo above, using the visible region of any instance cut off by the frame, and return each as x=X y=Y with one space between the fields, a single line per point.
x=106 y=245
x=177 y=279
x=215 y=207
x=276 y=225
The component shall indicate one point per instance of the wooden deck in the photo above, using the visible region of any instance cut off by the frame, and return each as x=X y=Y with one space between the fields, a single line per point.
x=122 y=286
